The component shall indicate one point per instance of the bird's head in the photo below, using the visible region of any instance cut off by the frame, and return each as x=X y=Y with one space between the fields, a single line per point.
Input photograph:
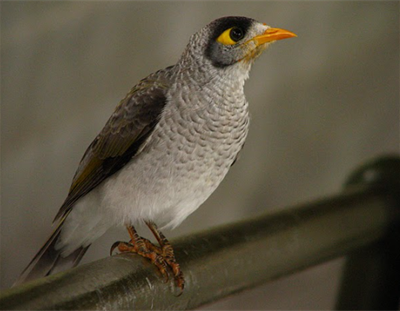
x=232 y=40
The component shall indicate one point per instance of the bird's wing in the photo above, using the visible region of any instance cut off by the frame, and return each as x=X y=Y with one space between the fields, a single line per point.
x=123 y=137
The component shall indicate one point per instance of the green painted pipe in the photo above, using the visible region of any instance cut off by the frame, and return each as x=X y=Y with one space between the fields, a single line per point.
x=222 y=261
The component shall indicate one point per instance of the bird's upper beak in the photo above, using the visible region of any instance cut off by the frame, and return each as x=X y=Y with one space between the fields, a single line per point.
x=255 y=46
x=272 y=34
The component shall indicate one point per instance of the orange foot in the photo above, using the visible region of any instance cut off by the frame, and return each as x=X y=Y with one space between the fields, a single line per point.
x=162 y=256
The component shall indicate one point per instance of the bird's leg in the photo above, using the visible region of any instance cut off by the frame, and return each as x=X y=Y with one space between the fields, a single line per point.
x=144 y=248
x=151 y=247
x=167 y=253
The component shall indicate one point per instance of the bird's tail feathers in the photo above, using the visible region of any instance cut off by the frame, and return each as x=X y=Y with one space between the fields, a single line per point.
x=49 y=260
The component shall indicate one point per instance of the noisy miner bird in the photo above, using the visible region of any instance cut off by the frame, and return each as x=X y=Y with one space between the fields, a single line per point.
x=164 y=150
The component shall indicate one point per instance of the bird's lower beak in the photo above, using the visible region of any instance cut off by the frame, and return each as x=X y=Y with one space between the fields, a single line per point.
x=272 y=34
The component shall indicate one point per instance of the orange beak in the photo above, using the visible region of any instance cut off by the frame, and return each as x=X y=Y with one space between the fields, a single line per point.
x=273 y=34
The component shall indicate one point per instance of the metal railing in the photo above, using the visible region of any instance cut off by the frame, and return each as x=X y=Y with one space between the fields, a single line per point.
x=362 y=222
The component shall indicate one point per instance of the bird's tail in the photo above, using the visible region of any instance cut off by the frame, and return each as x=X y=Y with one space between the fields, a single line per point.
x=49 y=260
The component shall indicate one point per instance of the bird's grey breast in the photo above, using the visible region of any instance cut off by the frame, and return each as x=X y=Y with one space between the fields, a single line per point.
x=204 y=125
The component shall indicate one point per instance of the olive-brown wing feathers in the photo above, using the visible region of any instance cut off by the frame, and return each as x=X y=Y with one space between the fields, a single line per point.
x=121 y=139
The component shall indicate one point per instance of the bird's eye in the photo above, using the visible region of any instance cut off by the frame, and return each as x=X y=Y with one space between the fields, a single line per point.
x=236 y=34
x=231 y=36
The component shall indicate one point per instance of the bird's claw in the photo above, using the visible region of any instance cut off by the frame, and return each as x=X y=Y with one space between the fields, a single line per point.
x=169 y=258
x=114 y=246
x=163 y=258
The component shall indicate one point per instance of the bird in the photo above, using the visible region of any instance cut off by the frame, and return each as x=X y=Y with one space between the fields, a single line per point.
x=164 y=150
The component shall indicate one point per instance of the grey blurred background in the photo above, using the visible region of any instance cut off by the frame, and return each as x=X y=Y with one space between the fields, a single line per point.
x=321 y=104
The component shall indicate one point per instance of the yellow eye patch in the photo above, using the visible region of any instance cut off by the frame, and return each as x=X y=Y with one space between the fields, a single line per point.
x=231 y=36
